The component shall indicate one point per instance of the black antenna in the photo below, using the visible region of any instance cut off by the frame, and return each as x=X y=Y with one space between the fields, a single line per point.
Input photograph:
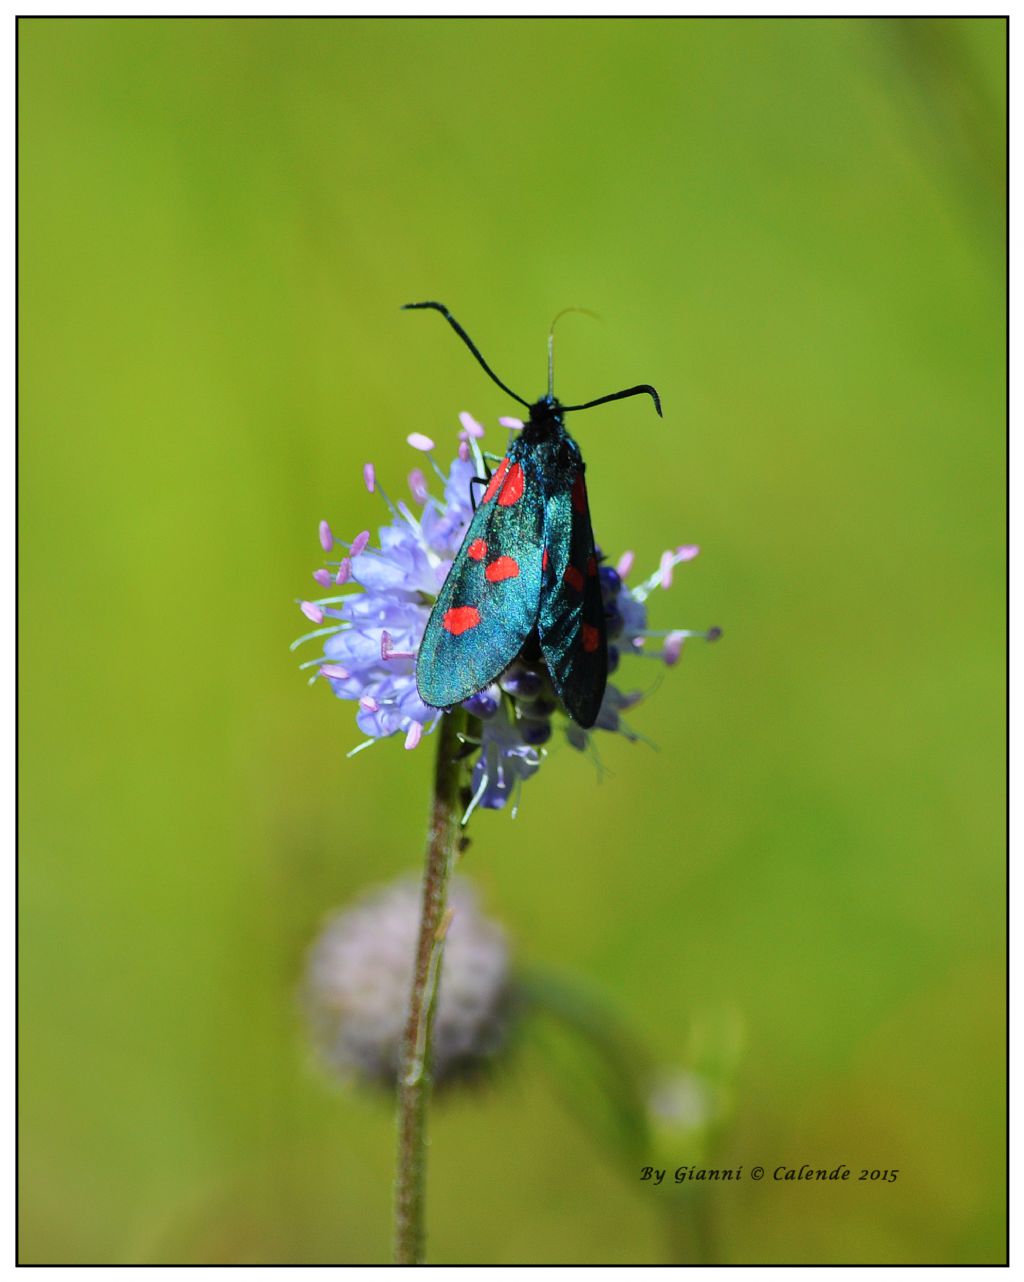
x=643 y=389
x=440 y=307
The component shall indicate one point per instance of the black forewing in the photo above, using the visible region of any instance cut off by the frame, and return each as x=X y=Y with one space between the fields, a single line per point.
x=573 y=634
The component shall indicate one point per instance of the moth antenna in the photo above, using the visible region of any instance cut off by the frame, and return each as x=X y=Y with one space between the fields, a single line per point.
x=440 y=307
x=551 y=344
x=642 y=389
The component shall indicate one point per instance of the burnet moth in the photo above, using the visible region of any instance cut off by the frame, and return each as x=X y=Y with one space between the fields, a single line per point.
x=526 y=576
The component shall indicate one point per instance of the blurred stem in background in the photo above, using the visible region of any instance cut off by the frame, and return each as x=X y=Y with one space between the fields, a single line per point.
x=414 y=1078
x=951 y=102
x=642 y=1112
x=600 y=1069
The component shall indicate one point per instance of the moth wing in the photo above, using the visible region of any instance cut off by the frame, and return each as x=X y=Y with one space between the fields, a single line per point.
x=488 y=604
x=573 y=632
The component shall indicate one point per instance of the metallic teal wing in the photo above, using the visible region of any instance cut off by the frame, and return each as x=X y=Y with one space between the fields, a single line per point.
x=489 y=602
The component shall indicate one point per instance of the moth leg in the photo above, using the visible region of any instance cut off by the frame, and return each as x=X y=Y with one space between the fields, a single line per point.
x=477 y=480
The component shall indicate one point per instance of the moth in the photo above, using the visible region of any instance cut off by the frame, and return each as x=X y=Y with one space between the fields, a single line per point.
x=526 y=578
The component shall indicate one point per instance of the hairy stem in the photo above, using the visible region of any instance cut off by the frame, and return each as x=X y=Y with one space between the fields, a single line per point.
x=414 y=1078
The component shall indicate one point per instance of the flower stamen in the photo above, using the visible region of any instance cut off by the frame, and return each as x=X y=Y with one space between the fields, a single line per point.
x=470 y=426
x=388 y=651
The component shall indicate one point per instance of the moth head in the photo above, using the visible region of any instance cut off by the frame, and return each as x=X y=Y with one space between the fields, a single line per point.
x=547 y=412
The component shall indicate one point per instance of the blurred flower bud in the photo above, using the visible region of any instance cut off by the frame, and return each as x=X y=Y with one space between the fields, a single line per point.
x=683 y=1109
x=690 y=1108
x=359 y=976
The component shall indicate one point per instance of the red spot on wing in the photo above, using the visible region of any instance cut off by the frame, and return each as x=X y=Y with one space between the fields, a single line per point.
x=512 y=490
x=579 y=493
x=460 y=619
x=544 y=560
x=591 y=638
x=477 y=550
x=505 y=567
x=591 y=566
x=573 y=577
x=495 y=481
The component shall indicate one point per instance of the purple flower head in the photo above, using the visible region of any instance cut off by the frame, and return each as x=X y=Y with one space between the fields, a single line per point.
x=370 y=632
x=506 y=759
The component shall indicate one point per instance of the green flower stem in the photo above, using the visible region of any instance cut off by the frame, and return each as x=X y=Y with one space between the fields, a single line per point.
x=688 y=1227
x=604 y=1078
x=414 y=1079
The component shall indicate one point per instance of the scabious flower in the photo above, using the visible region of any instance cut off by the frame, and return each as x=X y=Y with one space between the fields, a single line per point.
x=359 y=974
x=370 y=633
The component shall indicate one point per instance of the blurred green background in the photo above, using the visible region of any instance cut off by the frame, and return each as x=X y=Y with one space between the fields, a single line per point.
x=795 y=229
